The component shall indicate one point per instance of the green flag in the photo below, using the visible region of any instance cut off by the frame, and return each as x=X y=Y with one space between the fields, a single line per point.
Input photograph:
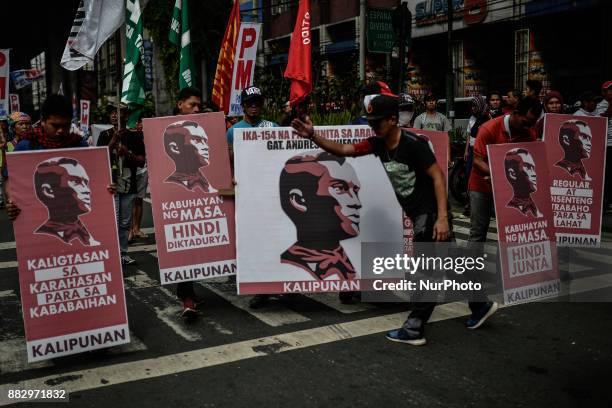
x=180 y=35
x=133 y=71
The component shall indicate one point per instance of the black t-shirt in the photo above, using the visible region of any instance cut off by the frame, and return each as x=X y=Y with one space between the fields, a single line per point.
x=134 y=142
x=406 y=167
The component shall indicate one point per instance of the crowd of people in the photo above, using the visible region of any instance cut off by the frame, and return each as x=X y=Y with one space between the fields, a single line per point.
x=416 y=177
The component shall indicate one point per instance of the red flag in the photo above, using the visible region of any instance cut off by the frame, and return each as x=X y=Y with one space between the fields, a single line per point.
x=299 y=67
x=225 y=64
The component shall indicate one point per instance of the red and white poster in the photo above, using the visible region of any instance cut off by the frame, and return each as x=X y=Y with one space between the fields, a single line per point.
x=528 y=252
x=576 y=148
x=302 y=213
x=4 y=83
x=84 y=120
x=68 y=252
x=14 y=100
x=244 y=64
x=438 y=142
x=188 y=163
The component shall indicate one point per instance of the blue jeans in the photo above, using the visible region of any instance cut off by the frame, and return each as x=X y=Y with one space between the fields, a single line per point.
x=123 y=212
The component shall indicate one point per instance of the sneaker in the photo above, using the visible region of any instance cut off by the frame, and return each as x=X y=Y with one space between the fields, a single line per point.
x=189 y=308
x=401 y=335
x=127 y=260
x=258 y=301
x=479 y=317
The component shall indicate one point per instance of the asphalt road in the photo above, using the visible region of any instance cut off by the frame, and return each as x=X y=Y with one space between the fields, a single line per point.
x=313 y=351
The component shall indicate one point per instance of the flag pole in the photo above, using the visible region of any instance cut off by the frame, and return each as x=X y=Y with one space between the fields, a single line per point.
x=118 y=75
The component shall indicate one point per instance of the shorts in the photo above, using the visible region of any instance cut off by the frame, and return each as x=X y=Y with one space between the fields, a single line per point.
x=142 y=182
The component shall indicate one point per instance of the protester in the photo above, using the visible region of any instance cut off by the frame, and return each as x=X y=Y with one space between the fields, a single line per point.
x=53 y=133
x=553 y=103
x=286 y=118
x=533 y=89
x=604 y=108
x=495 y=101
x=510 y=128
x=480 y=114
x=252 y=100
x=512 y=101
x=127 y=153
x=189 y=102
x=588 y=104
x=2 y=165
x=142 y=182
x=420 y=188
x=432 y=119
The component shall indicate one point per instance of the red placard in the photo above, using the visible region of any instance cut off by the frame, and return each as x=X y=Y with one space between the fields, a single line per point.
x=576 y=148
x=68 y=252
x=188 y=163
x=519 y=176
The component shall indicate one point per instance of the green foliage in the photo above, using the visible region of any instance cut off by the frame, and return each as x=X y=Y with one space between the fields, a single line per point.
x=207 y=19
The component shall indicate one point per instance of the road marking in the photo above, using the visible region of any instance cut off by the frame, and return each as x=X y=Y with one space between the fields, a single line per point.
x=173 y=364
x=274 y=314
x=7 y=294
x=166 y=308
x=466 y=231
x=331 y=300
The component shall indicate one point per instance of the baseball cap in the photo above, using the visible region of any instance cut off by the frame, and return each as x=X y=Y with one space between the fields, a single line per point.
x=606 y=85
x=381 y=106
x=405 y=101
x=251 y=93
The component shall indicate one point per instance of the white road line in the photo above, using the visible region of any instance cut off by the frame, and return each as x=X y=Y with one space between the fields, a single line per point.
x=8 y=264
x=591 y=255
x=105 y=376
x=7 y=294
x=331 y=300
x=274 y=314
x=466 y=231
x=167 y=308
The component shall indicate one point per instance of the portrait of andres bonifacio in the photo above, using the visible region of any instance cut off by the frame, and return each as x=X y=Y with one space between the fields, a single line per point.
x=186 y=143
x=521 y=174
x=319 y=192
x=62 y=186
x=575 y=138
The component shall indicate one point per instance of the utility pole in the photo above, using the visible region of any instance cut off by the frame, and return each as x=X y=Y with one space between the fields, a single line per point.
x=404 y=20
x=362 y=39
x=450 y=76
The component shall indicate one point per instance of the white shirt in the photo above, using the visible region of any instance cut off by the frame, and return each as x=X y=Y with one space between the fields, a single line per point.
x=601 y=109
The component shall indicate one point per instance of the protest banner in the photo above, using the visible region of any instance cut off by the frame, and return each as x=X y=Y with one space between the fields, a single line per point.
x=4 y=83
x=528 y=252
x=244 y=64
x=188 y=163
x=96 y=130
x=68 y=252
x=438 y=142
x=14 y=101
x=84 y=120
x=24 y=77
x=576 y=149
x=302 y=213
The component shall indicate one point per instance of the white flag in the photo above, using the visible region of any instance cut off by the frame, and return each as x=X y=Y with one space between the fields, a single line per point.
x=94 y=23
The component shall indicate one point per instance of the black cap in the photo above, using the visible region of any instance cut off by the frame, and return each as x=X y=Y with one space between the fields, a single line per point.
x=382 y=106
x=250 y=94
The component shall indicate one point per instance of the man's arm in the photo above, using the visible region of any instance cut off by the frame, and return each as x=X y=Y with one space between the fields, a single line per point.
x=306 y=130
x=447 y=123
x=441 y=229
x=481 y=165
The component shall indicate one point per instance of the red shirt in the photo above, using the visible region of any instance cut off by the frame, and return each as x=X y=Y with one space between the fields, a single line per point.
x=492 y=132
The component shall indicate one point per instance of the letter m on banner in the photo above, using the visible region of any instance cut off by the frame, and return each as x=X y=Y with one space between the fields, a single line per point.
x=244 y=64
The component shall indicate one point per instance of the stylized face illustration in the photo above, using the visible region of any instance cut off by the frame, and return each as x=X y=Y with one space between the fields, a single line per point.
x=320 y=193
x=62 y=184
x=199 y=141
x=521 y=172
x=187 y=145
x=529 y=171
x=341 y=183
x=576 y=139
